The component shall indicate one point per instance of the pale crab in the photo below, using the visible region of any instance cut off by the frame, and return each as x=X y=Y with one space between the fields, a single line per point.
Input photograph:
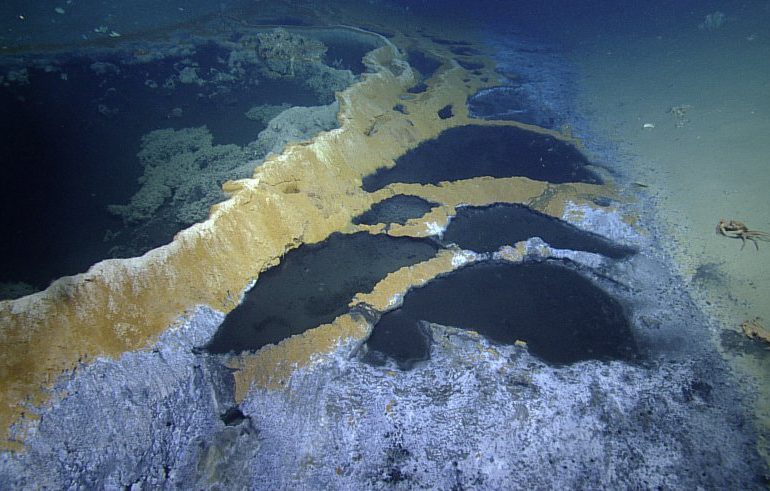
x=738 y=230
x=754 y=329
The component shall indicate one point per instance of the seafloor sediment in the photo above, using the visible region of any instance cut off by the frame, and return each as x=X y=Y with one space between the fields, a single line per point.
x=106 y=381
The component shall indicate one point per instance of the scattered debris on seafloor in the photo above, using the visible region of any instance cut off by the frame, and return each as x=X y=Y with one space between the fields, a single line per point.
x=680 y=114
x=713 y=21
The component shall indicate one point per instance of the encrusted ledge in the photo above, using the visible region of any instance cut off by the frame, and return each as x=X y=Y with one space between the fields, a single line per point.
x=301 y=196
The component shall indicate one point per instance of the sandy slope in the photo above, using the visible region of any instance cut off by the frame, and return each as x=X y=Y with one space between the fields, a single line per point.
x=711 y=162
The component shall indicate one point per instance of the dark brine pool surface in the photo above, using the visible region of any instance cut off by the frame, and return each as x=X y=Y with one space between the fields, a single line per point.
x=471 y=151
x=313 y=285
x=562 y=316
x=510 y=103
x=487 y=228
x=397 y=209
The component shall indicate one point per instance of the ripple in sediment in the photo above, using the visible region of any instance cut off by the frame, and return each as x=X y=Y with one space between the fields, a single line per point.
x=313 y=285
x=464 y=50
x=418 y=89
x=487 y=228
x=471 y=151
x=470 y=65
x=562 y=316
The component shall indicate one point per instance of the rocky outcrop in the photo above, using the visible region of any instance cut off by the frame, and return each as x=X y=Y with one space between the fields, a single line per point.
x=147 y=418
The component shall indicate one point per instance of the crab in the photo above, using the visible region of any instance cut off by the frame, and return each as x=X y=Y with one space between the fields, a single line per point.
x=738 y=230
x=754 y=329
